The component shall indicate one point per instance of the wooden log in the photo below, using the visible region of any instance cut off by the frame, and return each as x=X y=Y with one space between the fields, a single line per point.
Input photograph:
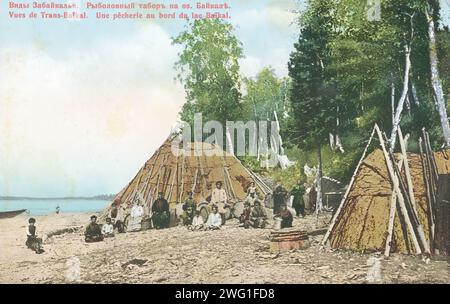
x=395 y=182
x=410 y=192
x=430 y=212
x=443 y=215
x=392 y=211
x=344 y=198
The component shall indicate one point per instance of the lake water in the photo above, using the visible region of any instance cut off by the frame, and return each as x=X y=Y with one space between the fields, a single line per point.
x=43 y=206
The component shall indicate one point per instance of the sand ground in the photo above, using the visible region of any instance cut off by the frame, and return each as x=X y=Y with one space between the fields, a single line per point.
x=175 y=255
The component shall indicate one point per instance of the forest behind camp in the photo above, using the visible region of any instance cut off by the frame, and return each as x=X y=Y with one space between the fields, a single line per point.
x=346 y=73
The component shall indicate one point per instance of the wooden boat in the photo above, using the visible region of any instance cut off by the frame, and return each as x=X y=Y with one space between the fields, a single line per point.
x=12 y=213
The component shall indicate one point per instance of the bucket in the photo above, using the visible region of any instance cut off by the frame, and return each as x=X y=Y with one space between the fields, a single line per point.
x=277 y=223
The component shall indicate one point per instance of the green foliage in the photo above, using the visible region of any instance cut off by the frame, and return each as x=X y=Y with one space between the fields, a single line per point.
x=209 y=69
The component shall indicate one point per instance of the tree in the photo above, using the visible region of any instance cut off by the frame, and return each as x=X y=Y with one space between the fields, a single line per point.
x=266 y=99
x=313 y=97
x=209 y=70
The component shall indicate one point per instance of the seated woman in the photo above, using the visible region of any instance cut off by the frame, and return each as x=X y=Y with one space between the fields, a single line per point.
x=108 y=228
x=286 y=217
x=136 y=216
x=33 y=242
x=93 y=231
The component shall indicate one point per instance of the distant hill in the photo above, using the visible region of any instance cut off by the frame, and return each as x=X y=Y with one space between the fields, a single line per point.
x=104 y=197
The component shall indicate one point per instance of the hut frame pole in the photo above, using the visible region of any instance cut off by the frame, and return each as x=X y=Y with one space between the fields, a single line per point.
x=427 y=186
x=395 y=182
x=420 y=231
x=392 y=212
x=344 y=198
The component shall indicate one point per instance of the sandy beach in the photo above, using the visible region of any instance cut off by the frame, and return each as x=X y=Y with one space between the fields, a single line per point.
x=175 y=255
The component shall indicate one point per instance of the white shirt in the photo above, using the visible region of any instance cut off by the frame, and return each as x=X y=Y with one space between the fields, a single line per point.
x=218 y=196
x=197 y=221
x=137 y=211
x=107 y=229
x=214 y=220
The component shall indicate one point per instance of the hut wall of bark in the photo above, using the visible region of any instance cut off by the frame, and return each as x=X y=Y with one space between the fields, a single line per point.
x=363 y=222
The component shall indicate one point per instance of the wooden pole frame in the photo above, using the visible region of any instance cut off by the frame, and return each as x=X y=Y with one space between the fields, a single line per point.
x=395 y=182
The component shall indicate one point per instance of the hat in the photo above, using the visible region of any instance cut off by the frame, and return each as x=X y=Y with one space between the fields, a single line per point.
x=93 y=216
x=32 y=220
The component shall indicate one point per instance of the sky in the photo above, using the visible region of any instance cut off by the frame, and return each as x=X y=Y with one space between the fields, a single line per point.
x=84 y=104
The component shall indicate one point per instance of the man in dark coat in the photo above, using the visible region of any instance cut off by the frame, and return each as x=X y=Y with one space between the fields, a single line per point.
x=93 y=231
x=279 y=198
x=161 y=213
x=298 y=204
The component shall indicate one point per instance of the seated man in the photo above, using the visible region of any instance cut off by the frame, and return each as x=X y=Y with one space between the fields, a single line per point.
x=258 y=217
x=93 y=231
x=286 y=217
x=189 y=208
x=197 y=222
x=33 y=242
x=136 y=215
x=244 y=219
x=160 y=212
x=108 y=228
x=214 y=220
x=251 y=199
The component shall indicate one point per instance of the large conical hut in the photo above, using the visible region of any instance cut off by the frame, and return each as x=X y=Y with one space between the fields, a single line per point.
x=176 y=168
x=391 y=203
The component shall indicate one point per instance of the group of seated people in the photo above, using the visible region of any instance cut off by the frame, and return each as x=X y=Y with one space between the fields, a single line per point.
x=254 y=215
x=96 y=233
x=192 y=218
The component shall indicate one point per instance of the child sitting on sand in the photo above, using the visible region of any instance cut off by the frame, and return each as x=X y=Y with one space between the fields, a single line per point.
x=108 y=228
x=197 y=222
x=33 y=242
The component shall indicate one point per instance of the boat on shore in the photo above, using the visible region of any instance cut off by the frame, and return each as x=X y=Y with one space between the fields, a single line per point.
x=12 y=213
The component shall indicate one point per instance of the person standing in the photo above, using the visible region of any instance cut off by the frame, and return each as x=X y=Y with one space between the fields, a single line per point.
x=160 y=212
x=298 y=204
x=220 y=199
x=279 y=198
